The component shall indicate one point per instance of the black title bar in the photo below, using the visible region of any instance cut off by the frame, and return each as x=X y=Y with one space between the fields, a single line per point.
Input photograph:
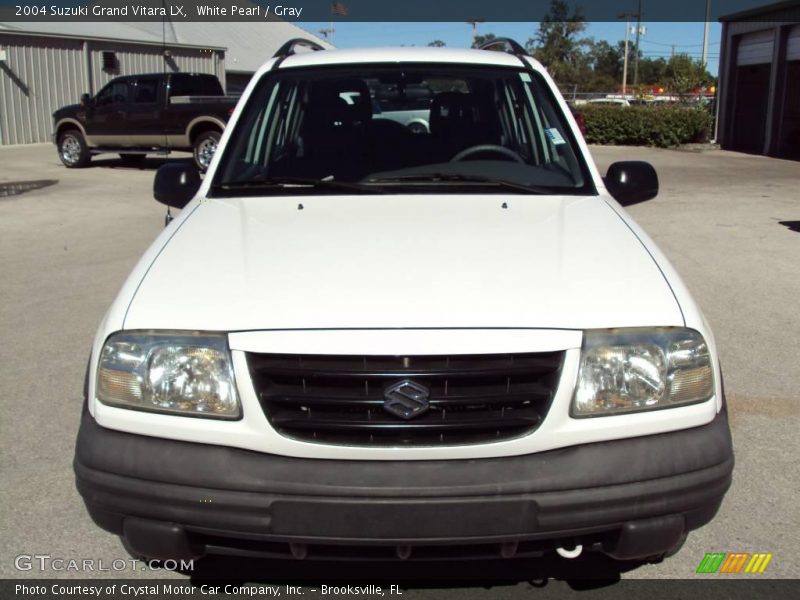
x=12 y=11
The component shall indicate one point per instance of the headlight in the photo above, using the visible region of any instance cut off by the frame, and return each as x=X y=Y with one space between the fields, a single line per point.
x=631 y=370
x=178 y=373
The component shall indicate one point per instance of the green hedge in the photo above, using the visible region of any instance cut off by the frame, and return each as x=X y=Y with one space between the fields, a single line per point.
x=661 y=126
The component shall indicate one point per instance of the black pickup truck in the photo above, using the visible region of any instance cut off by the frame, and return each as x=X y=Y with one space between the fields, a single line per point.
x=137 y=115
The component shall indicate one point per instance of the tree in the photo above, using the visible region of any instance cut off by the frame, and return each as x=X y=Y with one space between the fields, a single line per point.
x=480 y=40
x=684 y=74
x=652 y=71
x=607 y=60
x=437 y=44
x=556 y=44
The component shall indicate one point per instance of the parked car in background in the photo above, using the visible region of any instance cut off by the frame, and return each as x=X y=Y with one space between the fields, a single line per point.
x=138 y=115
x=610 y=101
x=406 y=103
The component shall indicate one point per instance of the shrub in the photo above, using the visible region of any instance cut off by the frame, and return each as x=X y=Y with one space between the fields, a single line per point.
x=661 y=126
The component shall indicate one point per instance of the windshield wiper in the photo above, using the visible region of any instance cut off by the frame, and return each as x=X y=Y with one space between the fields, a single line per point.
x=457 y=178
x=258 y=183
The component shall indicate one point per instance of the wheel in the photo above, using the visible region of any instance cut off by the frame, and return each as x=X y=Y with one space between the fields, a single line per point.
x=490 y=148
x=133 y=159
x=417 y=128
x=72 y=149
x=204 y=147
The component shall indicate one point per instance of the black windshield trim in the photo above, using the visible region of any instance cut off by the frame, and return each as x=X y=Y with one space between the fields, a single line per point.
x=587 y=189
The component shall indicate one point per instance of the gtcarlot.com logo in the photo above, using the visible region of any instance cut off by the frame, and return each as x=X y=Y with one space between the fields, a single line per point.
x=734 y=562
x=45 y=562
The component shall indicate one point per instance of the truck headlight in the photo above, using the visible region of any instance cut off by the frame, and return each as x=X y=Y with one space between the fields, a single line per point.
x=169 y=372
x=631 y=370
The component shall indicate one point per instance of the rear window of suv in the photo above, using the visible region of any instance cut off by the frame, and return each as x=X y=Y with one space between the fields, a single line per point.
x=489 y=129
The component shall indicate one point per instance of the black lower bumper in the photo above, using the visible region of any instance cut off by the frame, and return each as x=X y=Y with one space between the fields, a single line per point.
x=631 y=498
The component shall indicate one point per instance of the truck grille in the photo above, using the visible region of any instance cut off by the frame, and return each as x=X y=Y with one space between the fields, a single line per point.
x=340 y=399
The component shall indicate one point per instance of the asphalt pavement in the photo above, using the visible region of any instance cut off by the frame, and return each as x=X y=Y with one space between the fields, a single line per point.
x=729 y=222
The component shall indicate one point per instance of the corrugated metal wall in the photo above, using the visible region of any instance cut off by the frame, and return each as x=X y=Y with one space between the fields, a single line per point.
x=136 y=58
x=41 y=74
x=38 y=76
x=756 y=48
x=793 y=44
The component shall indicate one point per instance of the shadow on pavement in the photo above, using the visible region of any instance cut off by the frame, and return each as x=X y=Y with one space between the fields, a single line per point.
x=145 y=164
x=15 y=188
x=791 y=225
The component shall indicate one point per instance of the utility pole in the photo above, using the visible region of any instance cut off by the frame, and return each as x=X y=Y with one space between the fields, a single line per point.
x=705 y=32
x=627 y=17
x=636 y=58
x=474 y=23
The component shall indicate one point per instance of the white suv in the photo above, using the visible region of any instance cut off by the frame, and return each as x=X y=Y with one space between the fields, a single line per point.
x=436 y=343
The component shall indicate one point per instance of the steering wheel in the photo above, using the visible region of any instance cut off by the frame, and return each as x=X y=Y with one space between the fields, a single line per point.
x=506 y=152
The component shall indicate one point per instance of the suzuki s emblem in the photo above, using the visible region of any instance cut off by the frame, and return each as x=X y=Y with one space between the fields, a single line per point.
x=406 y=399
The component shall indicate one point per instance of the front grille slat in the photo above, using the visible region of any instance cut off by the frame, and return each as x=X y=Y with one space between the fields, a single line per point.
x=450 y=400
x=340 y=424
x=340 y=399
x=328 y=373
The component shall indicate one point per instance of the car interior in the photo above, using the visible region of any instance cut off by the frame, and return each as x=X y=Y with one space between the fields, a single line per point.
x=332 y=127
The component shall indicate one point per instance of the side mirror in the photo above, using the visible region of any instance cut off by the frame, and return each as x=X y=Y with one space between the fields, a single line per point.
x=631 y=181
x=176 y=183
x=86 y=100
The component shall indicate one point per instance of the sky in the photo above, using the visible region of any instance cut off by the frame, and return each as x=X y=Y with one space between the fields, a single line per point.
x=657 y=41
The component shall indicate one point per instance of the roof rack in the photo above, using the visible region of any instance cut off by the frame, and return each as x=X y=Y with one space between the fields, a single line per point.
x=504 y=44
x=288 y=48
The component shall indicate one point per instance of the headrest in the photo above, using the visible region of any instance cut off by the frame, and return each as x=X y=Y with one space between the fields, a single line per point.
x=347 y=100
x=451 y=110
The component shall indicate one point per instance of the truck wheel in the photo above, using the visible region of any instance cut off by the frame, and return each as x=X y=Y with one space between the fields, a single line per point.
x=204 y=147
x=133 y=159
x=72 y=149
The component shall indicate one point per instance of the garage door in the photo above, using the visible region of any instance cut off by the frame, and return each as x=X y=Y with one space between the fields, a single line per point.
x=755 y=48
x=793 y=44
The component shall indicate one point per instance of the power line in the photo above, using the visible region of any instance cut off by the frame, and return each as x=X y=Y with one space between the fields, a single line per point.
x=676 y=45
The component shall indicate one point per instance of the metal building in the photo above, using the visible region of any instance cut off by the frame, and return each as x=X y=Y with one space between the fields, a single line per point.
x=46 y=65
x=759 y=81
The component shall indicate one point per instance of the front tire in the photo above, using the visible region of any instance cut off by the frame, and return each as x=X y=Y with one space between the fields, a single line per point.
x=204 y=148
x=72 y=149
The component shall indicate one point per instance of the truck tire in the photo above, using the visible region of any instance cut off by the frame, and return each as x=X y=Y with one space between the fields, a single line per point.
x=133 y=159
x=204 y=147
x=72 y=149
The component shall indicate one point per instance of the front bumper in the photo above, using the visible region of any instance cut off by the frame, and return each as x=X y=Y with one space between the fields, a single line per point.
x=632 y=498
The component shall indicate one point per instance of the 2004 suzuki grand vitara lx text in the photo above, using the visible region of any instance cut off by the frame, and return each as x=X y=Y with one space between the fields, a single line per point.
x=439 y=344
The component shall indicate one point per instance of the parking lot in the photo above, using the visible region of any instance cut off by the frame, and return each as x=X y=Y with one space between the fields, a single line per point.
x=730 y=223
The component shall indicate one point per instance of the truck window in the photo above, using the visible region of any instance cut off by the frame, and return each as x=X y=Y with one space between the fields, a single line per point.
x=145 y=91
x=115 y=92
x=184 y=84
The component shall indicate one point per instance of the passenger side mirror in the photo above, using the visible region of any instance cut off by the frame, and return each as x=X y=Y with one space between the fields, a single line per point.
x=86 y=100
x=631 y=181
x=176 y=183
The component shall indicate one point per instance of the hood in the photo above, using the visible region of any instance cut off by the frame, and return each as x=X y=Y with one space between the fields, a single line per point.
x=403 y=261
x=67 y=110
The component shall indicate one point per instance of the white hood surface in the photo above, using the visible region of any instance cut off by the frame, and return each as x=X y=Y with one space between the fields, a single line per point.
x=403 y=261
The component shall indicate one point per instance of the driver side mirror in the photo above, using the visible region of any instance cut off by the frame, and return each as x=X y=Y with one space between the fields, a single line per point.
x=631 y=181
x=176 y=184
x=86 y=100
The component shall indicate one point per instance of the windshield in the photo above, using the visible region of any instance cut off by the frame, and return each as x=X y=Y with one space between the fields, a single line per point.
x=402 y=128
